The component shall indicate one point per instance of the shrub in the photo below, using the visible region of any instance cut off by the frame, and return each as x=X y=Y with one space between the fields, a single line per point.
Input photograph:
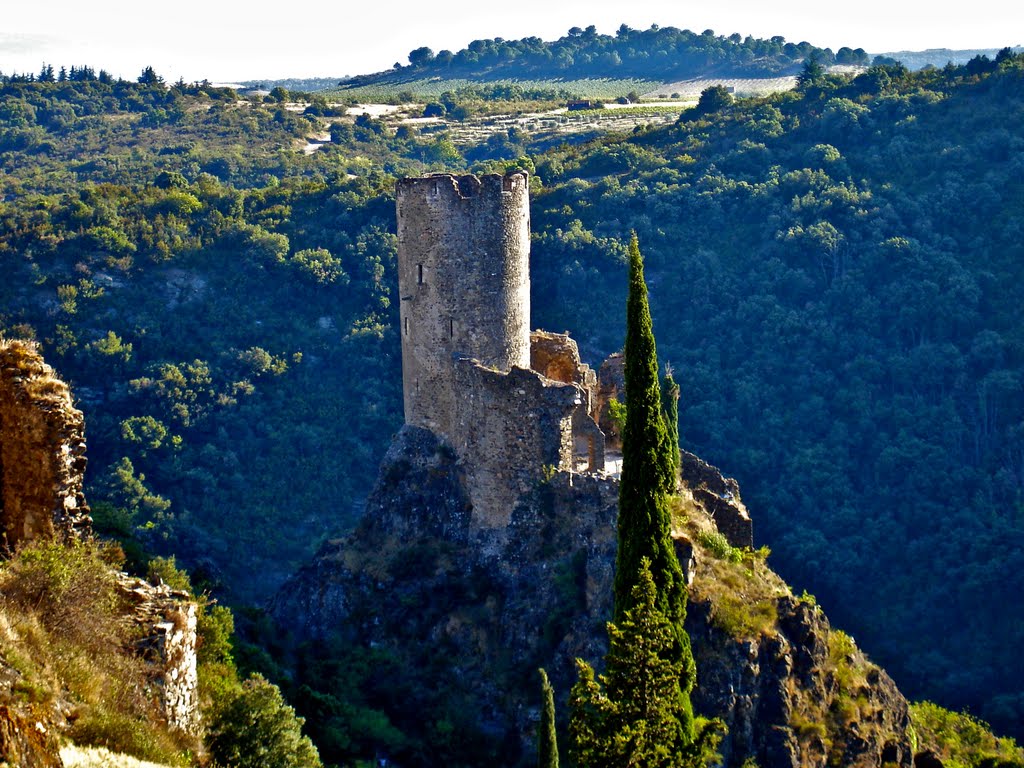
x=126 y=733
x=257 y=729
x=67 y=629
x=719 y=546
x=70 y=588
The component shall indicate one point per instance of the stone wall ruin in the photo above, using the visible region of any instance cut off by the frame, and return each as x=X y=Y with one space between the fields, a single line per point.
x=42 y=451
x=168 y=622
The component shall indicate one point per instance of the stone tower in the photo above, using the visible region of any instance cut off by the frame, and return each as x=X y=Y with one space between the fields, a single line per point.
x=464 y=285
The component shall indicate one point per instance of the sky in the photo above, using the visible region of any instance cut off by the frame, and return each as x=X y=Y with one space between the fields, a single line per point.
x=230 y=41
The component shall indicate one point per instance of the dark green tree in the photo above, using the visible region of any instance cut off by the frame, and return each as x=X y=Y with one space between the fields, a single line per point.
x=670 y=410
x=421 y=57
x=644 y=527
x=150 y=77
x=812 y=73
x=638 y=712
x=258 y=729
x=713 y=98
x=547 y=737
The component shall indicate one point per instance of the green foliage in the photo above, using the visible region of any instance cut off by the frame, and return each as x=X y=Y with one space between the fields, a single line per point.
x=657 y=54
x=144 y=430
x=125 y=732
x=547 y=737
x=960 y=740
x=847 y=356
x=257 y=729
x=164 y=570
x=713 y=99
x=858 y=376
x=743 y=593
x=647 y=476
x=638 y=712
x=670 y=412
x=320 y=266
x=71 y=586
x=715 y=543
x=68 y=628
x=112 y=346
x=338 y=690
x=617 y=415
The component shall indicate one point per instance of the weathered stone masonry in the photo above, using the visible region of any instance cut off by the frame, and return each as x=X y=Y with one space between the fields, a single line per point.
x=42 y=451
x=514 y=405
x=464 y=285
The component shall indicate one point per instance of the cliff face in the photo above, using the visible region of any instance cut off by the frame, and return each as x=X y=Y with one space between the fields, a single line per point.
x=797 y=695
x=412 y=582
x=472 y=619
x=42 y=463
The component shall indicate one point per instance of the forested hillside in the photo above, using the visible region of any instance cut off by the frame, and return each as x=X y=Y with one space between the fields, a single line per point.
x=657 y=53
x=221 y=304
x=835 y=277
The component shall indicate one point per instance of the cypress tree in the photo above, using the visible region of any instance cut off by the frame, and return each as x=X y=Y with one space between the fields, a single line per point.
x=638 y=712
x=670 y=411
x=644 y=528
x=547 y=738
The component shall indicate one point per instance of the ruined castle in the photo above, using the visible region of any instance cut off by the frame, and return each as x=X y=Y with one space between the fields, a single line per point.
x=517 y=407
x=489 y=540
x=514 y=405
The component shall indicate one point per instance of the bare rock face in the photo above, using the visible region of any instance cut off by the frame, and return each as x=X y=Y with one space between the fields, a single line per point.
x=415 y=582
x=795 y=696
x=472 y=621
x=26 y=744
x=720 y=498
x=42 y=451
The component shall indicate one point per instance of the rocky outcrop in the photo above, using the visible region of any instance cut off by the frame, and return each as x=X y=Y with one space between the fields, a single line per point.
x=789 y=701
x=42 y=463
x=471 y=621
x=720 y=498
x=42 y=451
x=414 y=582
x=26 y=744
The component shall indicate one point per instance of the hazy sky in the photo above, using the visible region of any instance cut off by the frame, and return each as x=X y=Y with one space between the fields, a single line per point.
x=228 y=40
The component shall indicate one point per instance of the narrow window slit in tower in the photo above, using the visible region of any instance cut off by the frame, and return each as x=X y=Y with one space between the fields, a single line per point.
x=451 y=327
x=407 y=326
x=419 y=274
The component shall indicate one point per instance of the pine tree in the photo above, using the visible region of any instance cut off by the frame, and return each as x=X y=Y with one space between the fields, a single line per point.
x=547 y=739
x=638 y=712
x=670 y=411
x=648 y=473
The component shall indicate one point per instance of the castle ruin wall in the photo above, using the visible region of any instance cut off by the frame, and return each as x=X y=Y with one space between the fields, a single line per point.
x=464 y=285
x=168 y=623
x=42 y=451
x=511 y=429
